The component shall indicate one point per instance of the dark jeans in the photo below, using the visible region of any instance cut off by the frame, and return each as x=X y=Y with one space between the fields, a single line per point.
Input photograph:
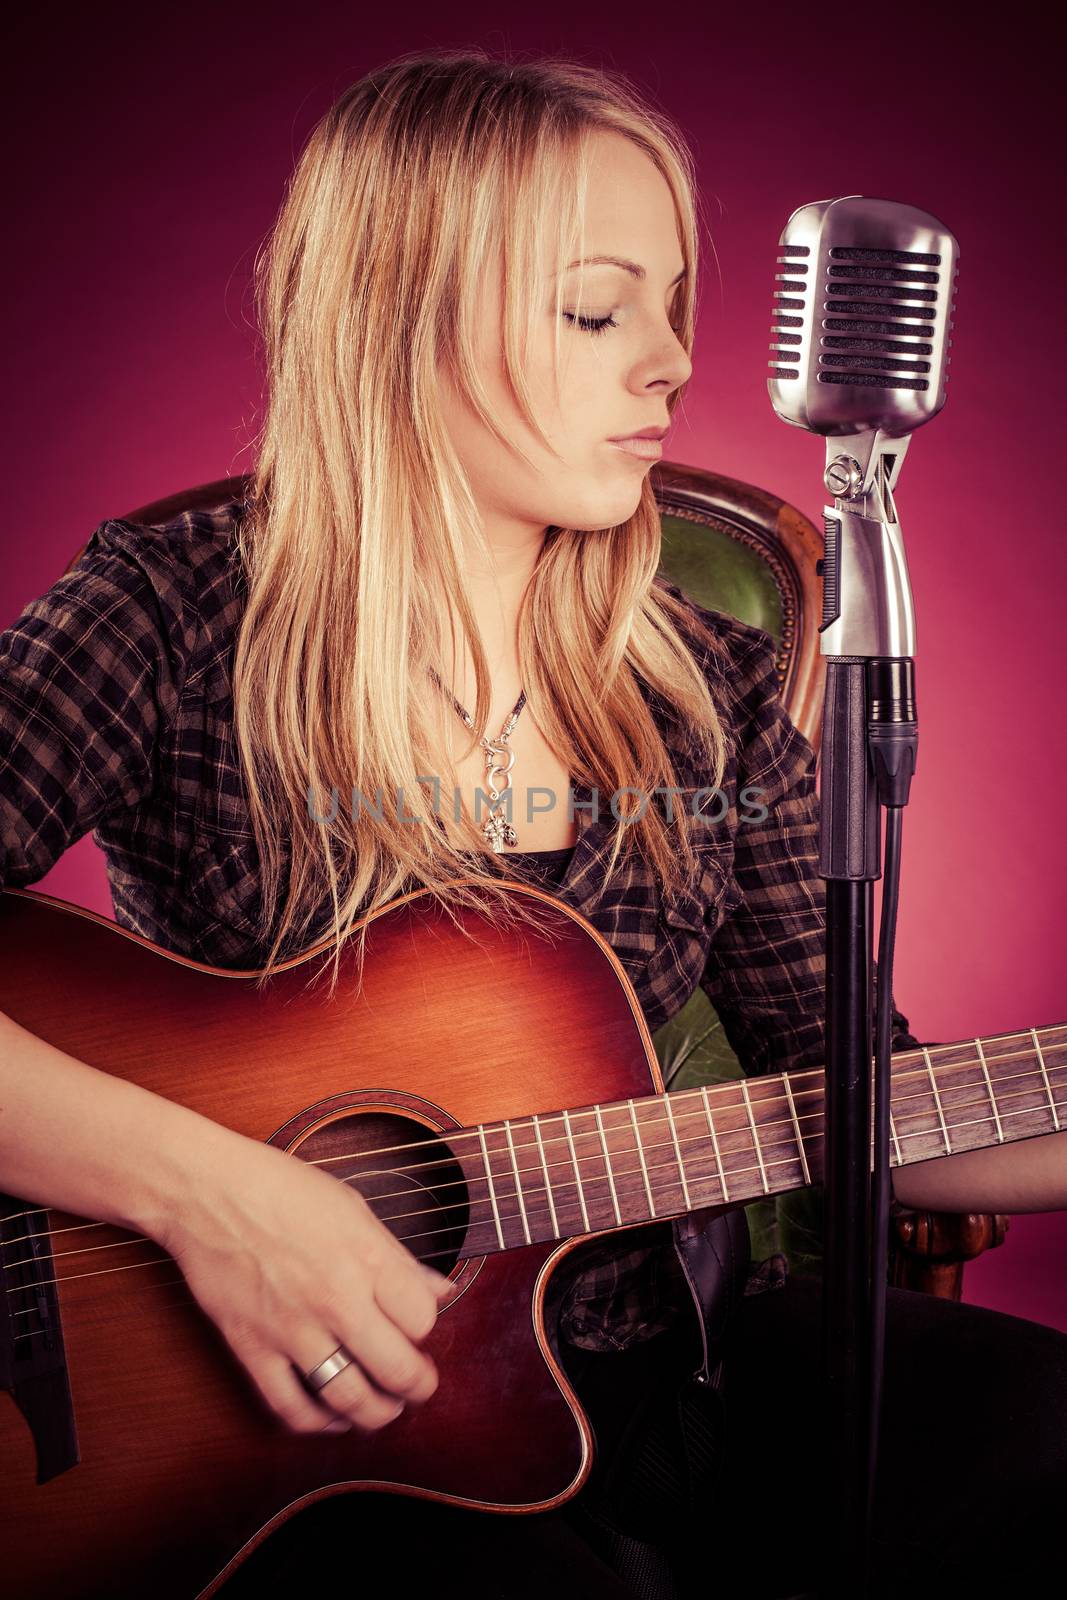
x=972 y=1480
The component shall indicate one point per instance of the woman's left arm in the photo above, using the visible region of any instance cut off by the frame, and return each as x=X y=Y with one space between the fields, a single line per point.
x=1030 y=1175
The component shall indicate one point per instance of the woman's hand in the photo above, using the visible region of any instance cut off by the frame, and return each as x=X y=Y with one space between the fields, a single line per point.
x=290 y=1263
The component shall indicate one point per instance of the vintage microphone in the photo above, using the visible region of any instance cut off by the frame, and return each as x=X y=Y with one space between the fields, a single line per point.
x=863 y=304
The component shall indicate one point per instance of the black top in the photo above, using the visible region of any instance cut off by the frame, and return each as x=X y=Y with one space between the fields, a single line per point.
x=551 y=865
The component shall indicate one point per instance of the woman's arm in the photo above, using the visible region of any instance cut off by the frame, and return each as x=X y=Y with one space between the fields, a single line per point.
x=1030 y=1175
x=289 y=1262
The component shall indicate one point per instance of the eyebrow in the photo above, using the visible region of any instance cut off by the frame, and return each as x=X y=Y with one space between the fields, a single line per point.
x=631 y=267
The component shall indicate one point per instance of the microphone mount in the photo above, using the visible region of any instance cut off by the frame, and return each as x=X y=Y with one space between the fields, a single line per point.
x=867 y=606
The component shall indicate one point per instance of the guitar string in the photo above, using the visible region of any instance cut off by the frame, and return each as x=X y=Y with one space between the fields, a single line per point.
x=430 y=1255
x=675 y=1096
x=447 y=1252
x=718 y=1176
x=743 y=1127
x=510 y=1217
x=794 y=1079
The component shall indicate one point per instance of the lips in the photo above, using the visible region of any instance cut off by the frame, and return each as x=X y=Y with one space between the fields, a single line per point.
x=644 y=449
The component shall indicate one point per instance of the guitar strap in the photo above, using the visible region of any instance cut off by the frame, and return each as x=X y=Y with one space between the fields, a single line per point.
x=715 y=1253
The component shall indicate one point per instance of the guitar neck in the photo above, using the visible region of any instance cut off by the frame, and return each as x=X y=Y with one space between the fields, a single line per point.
x=573 y=1172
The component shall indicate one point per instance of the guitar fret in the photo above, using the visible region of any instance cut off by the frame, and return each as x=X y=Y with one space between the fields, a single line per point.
x=796 y=1129
x=755 y=1135
x=607 y=1165
x=492 y=1189
x=548 y=1180
x=641 y=1158
x=1048 y=1085
x=715 y=1143
x=518 y=1181
x=677 y=1151
x=992 y=1096
x=577 y=1170
x=896 y=1141
x=937 y=1101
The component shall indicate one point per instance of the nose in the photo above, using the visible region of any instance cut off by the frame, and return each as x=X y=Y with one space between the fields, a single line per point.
x=673 y=363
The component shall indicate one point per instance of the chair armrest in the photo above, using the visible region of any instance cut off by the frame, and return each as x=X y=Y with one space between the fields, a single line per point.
x=929 y=1248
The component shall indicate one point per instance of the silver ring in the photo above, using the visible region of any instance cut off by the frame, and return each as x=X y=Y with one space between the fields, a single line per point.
x=336 y=1362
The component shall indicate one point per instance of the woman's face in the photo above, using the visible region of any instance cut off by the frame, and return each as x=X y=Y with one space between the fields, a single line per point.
x=612 y=382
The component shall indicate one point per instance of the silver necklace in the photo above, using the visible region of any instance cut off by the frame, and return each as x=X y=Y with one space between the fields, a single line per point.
x=499 y=760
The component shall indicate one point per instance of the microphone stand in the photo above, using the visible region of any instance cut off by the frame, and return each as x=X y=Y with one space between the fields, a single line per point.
x=869 y=741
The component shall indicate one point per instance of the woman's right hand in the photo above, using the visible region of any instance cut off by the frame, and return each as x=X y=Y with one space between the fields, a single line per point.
x=290 y=1263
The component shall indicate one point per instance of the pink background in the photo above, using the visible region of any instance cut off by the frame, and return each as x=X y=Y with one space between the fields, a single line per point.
x=147 y=157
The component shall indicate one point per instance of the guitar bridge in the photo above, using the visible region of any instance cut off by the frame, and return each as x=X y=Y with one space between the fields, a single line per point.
x=33 y=1363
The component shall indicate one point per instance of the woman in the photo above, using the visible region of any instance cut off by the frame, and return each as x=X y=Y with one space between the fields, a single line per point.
x=441 y=524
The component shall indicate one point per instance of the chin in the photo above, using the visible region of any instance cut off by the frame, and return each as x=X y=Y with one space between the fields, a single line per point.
x=609 y=511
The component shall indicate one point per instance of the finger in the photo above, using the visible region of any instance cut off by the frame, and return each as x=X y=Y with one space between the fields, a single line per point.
x=387 y=1355
x=422 y=1269
x=441 y=1285
x=280 y=1387
x=350 y=1393
x=408 y=1301
x=399 y=1253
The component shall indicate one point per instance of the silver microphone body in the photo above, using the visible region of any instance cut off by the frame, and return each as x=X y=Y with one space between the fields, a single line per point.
x=863 y=310
x=863 y=315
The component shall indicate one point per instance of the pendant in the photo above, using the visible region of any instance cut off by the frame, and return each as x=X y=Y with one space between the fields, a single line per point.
x=499 y=831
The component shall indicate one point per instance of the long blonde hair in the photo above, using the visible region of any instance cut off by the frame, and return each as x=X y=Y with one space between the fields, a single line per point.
x=367 y=289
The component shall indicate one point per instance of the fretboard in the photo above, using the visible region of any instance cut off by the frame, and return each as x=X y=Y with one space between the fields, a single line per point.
x=572 y=1172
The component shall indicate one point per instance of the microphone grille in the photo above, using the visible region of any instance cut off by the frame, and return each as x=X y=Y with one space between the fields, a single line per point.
x=860 y=323
x=880 y=307
x=789 y=308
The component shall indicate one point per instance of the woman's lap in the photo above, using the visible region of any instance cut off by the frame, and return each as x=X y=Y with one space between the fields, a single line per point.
x=973 y=1443
x=973 y=1466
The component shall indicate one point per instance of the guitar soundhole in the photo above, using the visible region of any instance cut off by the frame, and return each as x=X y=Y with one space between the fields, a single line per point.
x=405 y=1172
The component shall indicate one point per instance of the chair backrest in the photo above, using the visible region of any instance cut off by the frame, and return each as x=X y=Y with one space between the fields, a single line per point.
x=741 y=549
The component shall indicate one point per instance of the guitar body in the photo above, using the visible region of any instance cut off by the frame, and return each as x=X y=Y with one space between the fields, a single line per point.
x=162 y=1467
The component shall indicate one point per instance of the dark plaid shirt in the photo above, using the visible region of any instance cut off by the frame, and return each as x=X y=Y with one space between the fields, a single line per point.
x=116 y=716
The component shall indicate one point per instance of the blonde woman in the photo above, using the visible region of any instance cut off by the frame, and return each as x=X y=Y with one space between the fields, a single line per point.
x=445 y=535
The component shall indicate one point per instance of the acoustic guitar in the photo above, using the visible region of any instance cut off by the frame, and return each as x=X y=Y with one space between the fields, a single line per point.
x=136 y=1456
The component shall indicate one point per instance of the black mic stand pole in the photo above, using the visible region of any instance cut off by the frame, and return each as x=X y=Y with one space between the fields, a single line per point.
x=869 y=738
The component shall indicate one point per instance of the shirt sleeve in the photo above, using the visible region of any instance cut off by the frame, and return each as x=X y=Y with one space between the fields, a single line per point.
x=89 y=676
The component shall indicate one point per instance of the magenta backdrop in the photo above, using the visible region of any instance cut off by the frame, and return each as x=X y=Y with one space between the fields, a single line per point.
x=148 y=156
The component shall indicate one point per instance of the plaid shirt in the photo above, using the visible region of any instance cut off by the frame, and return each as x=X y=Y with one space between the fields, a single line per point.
x=116 y=716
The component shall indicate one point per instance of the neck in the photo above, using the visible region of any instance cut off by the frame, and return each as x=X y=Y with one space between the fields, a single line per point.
x=513 y=549
x=598 y=1167
x=497 y=577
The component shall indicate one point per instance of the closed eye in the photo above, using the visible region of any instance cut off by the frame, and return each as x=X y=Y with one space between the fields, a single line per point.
x=591 y=324
x=599 y=324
